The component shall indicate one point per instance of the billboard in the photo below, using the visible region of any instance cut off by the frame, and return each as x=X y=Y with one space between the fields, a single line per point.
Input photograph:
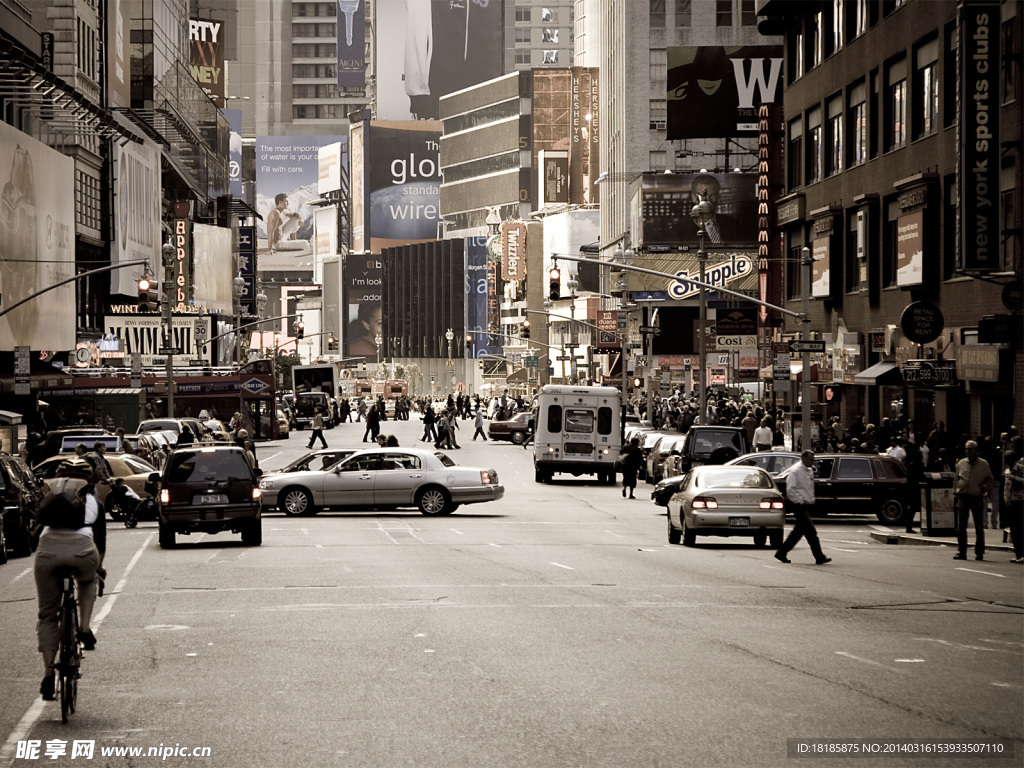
x=361 y=286
x=330 y=161
x=714 y=91
x=325 y=244
x=214 y=268
x=234 y=118
x=37 y=242
x=910 y=249
x=206 y=57
x=735 y=269
x=821 y=284
x=476 y=299
x=430 y=48
x=144 y=335
x=565 y=122
x=137 y=195
x=119 y=54
x=351 y=45
x=401 y=184
x=287 y=179
x=660 y=204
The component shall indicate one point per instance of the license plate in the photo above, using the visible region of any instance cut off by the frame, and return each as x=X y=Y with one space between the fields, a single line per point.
x=210 y=498
x=739 y=522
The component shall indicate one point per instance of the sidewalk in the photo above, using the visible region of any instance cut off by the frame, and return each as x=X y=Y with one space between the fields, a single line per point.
x=996 y=540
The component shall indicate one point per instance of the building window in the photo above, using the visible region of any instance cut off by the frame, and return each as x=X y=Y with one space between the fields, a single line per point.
x=793 y=267
x=523 y=14
x=896 y=105
x=748 y=13
x=891 y=206
x=856 y=250
x=309 y=71
x=659 y=65
x=795 y=52
x=659 y=115
x=550 y=36
x=657 y=14
x=856 y=14
x=658 y=160
x=548 y=14
x=314 y=51
x=1010 y=238
x=815 y=147
x=794 y=158
x=523 y=57
x=524 y=36
x=550 y=57
x=949 y=80
x=813 y=40
x=314 y=30
x=950 y=216
x=857 y=115
x=926 y=88
x=1011 y=59
x=835 y=25
x=684 y=11
x=834 y=136
x=723 y=13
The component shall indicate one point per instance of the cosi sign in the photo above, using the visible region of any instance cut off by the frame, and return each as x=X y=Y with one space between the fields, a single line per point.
x=979 y=137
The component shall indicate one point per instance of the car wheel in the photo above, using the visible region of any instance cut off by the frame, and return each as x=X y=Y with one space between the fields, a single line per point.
x=296 y=501
x=3 y=546
x=760 y=539
x=775 y=538
x=689 y=535
x=518 y=438
x=433 y=500
x=252 y=534
x=166 y=536
x=674 y=533
x=891 y=512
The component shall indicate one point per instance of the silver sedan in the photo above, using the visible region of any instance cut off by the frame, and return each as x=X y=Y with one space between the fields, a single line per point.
x=727 y=501
x=385 y=478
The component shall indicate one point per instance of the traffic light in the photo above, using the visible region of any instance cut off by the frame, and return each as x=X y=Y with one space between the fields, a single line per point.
x=554 y=285
x=145 y=301
x=638 y=383
x=481 y=365
x=332 y=343
x=300 y=329
x=526 y=329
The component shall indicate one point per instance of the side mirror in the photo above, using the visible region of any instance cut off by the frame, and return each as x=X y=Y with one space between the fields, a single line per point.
x=154 y=477
x=258 y=472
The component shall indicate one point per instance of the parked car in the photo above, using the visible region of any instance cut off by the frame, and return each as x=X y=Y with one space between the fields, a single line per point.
x=51 y=445
x=647 y=442
x=196 y=427
x=20 y=495
x=318 y=461
x=385 y=478
x=772 y=462
x=658 y=460
x=209 y=489
x=134 y=469
x=711 y=445
x=845 y=482
x=727 y=501
x=515 y=429
x=218 y=431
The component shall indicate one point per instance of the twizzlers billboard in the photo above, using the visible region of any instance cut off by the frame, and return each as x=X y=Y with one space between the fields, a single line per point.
x=979 y=138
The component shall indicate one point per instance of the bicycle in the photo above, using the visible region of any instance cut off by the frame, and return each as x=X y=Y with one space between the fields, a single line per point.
x=68 y=664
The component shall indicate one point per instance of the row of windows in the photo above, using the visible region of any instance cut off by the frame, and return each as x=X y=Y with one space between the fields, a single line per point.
x=525 y=56
x=314 y=70
x=315 y=51
x=725 y=13
x=88 y=46
x=320 y=111
x=525 y=35
x=314 y=9
x=314 y=30
x=546 y=14
x=88 y=207
x=325 y=91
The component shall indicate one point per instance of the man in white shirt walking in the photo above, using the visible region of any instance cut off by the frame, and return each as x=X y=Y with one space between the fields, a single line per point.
x=800 y=498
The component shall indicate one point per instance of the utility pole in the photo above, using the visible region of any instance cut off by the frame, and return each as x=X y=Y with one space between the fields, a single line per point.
x=805 y=336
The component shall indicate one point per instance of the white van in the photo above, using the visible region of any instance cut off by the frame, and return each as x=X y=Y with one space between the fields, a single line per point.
x=578 y=431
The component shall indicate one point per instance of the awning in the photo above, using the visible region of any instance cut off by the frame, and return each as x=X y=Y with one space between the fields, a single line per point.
x=879 y=374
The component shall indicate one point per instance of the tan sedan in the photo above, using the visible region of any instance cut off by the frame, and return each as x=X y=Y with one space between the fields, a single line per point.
x=134 y=470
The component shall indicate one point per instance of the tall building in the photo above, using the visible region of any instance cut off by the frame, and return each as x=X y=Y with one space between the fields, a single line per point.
x=539 y=33
x=903 y=179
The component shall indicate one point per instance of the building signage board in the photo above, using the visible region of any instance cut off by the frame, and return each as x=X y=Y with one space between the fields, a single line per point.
x=910 y=249
x=781 y=371
x=922 y=322
x=136 y=212
x=206 y=57
x=929 y=373
x=724 y=85
x=181 y=290
x=143 y=335
x=22 y=371
x=351 y=45
x=403 y=181
x=978 y=180
x=820 y=273
x=513 y=237
x=739 y=269
x=977 y=362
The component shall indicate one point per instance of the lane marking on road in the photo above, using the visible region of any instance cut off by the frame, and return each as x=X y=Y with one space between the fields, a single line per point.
x=456 y=530
x=840 y=549
x=869 y=661
x=35 y=711
x=909 y=661
x=987 y=573
x=498 y=546
x=567 y=567
x=613 y=533
x=21 y=575
x=963 y=647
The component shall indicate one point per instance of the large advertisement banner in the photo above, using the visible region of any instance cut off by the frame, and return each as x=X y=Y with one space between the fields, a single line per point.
x=214 y=262
x=978 y=183
x=136 y=213
x=37 y=242
x=476 y=299
x=119 y=53
x=326 y=239
x=427 y=49
x=714 y=91
x=206 y=57
x=287 y=179
x=361 y=282
x=821 y=283
x=234 y=118
x=735 y=270
x=403 y=176
x=661 y=205
x=143 y=335
x=351 y=45
x=910 y=249
x=331 y=161
x=565 y=125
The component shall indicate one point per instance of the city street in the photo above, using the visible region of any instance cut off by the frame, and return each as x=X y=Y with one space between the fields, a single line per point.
x=555 y=627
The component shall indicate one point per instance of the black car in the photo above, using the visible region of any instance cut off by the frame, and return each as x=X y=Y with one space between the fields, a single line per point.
x=20 y=495
x=846 y=482
x=704 y=444
x=209 y=489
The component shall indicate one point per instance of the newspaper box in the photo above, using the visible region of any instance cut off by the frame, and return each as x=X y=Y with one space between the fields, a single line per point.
x=939 y=516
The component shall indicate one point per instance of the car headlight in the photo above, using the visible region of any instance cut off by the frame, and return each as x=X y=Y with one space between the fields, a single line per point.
x=267 y=485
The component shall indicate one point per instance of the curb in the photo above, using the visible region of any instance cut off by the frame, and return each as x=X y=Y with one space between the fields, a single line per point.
x=895 y=537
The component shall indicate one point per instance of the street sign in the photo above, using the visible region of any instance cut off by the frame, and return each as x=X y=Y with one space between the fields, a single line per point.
x=169 y=351
x=22 y=370
x=814 y=347
x=641 y=361
x=563 y=357
x=736 y=342
x=531 y=361
x=650 y=329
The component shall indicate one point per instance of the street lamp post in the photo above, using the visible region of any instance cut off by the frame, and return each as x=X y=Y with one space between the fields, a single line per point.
x=450 y=335
x=572 y=284
x=239 y=287
x=167 y=254
x=805 y=335
x=700 y=214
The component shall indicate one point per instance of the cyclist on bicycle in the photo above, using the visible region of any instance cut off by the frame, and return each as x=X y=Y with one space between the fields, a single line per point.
x=74 y=535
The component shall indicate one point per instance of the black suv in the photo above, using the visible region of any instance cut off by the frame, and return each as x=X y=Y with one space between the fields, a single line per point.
x=704 y=444
x=20 y=495
x=209 y=489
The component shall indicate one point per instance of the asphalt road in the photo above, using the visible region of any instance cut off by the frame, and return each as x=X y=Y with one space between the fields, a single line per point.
x=556 y=627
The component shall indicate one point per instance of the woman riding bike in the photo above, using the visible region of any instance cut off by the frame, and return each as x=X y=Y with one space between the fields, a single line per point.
x=74 y=535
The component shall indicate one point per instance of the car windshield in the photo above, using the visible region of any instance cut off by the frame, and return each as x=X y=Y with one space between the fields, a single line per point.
x=137 y=465
x=708 y=440
x=444 y=460
x=734 y=478
x=188 y=466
